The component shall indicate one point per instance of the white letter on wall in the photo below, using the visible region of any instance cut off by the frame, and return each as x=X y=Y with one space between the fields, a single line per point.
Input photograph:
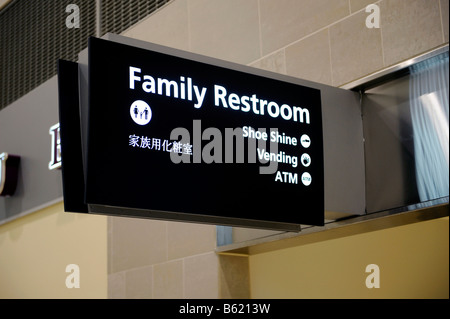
x=73 y=280
x=373 y=19
x=373 y=280
x=73 y=19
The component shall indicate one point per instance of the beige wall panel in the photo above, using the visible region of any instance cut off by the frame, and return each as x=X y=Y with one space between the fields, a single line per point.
x=168 y=280
x=356 y=5
x=444 y=14
x=201 y=278
x=168 y=26
x=241 y=234
x=116 y=285
x=226 y=30
x=410 y=27
x=309 y=58
x=139 y=283
x=413 y=262
x=286 y=21
x=35 y=250
x=137 y=242
x=275 y=62
x=187 y=239
x=234 y=277
x=356 y=51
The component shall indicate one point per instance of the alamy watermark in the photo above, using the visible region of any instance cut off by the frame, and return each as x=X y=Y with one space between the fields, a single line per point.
x=73 y=279
x=373 y=19
x=73 y=19
x=212 y=145
x=373 y=279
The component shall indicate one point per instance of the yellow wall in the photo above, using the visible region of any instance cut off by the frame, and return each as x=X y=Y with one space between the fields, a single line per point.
x=413 y=261
x=35 y=250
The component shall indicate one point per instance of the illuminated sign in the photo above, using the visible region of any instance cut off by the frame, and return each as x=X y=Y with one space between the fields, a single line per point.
x=176 y=138
x=55 y=161
x=9 y=171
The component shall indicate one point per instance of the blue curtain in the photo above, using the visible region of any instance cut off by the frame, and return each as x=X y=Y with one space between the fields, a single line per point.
x=429 y=111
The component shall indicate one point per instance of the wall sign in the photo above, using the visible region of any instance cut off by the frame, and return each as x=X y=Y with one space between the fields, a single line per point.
x=9 y=172
x=55 y=161
x=178 y=138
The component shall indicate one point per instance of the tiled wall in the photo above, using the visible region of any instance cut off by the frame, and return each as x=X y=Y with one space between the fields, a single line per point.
x=342 y=49
x=326 y=41
x=159 y=259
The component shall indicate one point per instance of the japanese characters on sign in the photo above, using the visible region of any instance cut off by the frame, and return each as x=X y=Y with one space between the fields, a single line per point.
x=158 y=144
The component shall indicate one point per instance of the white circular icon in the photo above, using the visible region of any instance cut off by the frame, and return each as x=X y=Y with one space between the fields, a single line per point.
x=305 y=141
x=306 y=160
x=140 y=112
x=306 y=178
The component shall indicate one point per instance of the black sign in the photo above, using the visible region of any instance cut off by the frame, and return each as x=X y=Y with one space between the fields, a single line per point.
x=177 y=138
x=70 y=146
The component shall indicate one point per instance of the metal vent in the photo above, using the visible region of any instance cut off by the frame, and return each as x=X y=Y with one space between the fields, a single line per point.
x=33 y=35
x=118 y=16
